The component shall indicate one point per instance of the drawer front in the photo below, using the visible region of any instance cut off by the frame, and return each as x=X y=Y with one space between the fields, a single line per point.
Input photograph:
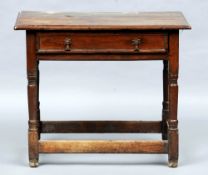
x=102 y=42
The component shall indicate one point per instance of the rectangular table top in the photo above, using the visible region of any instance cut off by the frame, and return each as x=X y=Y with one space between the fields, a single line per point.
x=31 y=20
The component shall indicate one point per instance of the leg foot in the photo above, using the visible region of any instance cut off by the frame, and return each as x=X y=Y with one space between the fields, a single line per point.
x=173 y=163
x=33 y=163
x=33 y=147
x=173 y=143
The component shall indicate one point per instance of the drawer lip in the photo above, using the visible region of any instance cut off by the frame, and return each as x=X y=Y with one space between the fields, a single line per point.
x=102 y=51
x=101 y=57
x=57 y=47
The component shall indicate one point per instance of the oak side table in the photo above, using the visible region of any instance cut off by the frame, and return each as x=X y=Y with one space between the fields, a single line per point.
x=103 y=37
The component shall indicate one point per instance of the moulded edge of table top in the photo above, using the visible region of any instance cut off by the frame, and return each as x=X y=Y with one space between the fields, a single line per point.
x=31 y=20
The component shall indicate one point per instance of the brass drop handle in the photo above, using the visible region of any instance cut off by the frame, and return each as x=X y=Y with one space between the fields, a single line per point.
x=136 y=43
x=67 y=43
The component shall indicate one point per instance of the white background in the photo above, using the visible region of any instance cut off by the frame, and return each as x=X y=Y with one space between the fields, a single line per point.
x=104 y=91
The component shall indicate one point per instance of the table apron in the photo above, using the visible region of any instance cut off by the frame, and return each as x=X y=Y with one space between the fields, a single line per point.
x=102 y=57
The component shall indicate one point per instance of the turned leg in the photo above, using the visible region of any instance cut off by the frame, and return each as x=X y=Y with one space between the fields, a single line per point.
x=32 y=75
x=172 y=121
x=165 y=103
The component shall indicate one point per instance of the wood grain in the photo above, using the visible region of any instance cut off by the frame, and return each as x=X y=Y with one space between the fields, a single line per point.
x=102 y=42
x=102 y=146
x=28 y=20
x=33 y=107
x=172 y=121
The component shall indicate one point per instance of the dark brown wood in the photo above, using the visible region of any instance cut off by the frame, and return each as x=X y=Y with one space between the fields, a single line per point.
x=38 y=84
x=51 y=45
x=33 y=101
x=102 y=146
x=103 y=37
x=101 y=21
x=101 y=127
x=173 y=98
x=89 y=42
x=99 y=57
x=165 y=104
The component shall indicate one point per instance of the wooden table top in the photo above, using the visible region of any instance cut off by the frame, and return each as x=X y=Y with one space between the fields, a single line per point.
x=31 y=20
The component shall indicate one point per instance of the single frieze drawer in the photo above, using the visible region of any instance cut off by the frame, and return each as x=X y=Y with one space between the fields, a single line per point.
x=105 y=42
